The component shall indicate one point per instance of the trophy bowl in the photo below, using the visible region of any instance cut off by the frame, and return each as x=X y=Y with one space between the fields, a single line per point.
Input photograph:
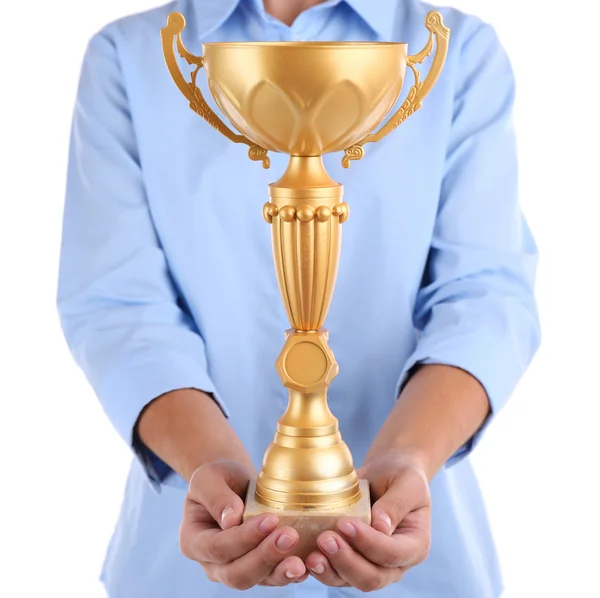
x=305 y=98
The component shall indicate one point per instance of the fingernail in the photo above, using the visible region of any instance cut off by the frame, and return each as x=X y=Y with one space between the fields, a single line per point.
x=285 y=542
x=386 y=518
x=267 y=525
x=348 y=529
x=226 y=512
x=330 y=546
x=290 y=575
x=319 y=569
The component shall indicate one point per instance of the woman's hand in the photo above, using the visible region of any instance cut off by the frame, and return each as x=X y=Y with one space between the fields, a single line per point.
x=239 y=555
x=370 y=557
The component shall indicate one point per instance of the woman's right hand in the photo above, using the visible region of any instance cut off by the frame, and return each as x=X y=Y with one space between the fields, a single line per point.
x=239 y=555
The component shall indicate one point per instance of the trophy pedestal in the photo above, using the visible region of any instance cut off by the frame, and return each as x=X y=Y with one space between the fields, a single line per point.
x=310 y=522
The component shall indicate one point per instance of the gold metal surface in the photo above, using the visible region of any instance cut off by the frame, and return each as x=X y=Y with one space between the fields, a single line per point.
x=172 y=31
x=306 y=99
x=306 y=234
x=306 y=363
x=307 y=465
x=273 y=93
x=417 y=93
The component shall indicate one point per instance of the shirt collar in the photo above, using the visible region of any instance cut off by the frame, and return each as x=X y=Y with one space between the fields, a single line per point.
x=378 y=14
x=209 y=14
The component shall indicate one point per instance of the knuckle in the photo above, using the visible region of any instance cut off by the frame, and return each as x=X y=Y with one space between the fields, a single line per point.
x=238 y=580
x=424 y=553
x=210 y=574
x=198 y=481
x=212 y=502
x=244 y=584
x=374 y=583
x=277 y=578
x=371 y=584
x=393 y=558
x=268 y=556
x=367 y=542
x=399 y=506
x=248 y=536
x=216 y=552
x=185 y=545
x=193 y=485
x=206 y=485
x=328 y=577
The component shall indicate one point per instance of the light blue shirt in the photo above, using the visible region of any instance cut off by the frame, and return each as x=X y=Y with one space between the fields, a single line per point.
x=167 y=278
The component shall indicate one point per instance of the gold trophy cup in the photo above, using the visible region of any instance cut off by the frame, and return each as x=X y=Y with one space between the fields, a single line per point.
x=306 y=99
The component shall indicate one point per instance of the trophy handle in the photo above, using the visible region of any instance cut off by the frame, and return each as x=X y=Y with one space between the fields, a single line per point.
x=175 y=25
x=416 y=94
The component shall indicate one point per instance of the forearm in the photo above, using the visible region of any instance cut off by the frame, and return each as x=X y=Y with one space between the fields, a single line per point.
x=187 y=429
x=439 y=410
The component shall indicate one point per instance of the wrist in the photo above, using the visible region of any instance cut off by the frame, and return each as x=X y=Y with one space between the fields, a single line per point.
x=186 y=428
x=402 y=456
x=438 y=411
x=244 y=468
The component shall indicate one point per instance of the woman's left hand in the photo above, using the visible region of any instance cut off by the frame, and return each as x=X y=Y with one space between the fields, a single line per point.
x=370 y=557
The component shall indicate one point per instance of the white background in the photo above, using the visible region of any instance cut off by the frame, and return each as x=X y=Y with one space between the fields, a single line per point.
x=62 y=466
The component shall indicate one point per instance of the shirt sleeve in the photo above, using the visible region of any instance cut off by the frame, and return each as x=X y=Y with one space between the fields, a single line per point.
x=121 y=314
x=476 y=309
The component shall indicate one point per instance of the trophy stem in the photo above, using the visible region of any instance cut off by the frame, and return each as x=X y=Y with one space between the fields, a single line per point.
x=307 y=466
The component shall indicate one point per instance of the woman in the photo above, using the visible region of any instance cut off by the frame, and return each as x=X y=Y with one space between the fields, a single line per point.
x=169 y=304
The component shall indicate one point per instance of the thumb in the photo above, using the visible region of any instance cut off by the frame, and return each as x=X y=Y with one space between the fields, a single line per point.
x=391 y=508
x=218 y=487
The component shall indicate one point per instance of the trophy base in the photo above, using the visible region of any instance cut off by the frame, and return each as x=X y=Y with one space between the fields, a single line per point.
x=309 y=523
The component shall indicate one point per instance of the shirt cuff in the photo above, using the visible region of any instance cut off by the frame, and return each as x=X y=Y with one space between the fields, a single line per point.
x=129 y=388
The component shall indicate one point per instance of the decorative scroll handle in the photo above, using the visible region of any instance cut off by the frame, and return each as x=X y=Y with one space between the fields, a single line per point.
x=172 y=31
x=416 y=94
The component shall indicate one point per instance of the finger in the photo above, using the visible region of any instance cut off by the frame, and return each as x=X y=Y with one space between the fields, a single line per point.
x=303 y=577
x=290 y=570
x=320 y=569
x=207 y=543
x=211 y=572
x=218 y=487
x=405 y=494
x=253 y=568
x=354 y=568
x=405 y=548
